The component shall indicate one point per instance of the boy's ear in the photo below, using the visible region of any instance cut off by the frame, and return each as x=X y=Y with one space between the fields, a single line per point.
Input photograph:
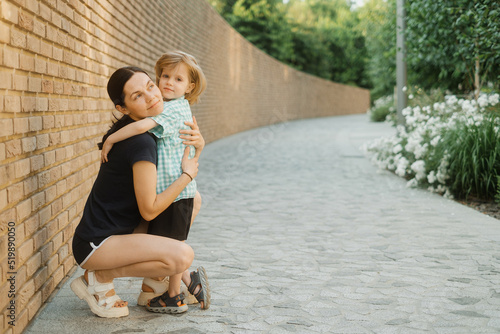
x=190 y=87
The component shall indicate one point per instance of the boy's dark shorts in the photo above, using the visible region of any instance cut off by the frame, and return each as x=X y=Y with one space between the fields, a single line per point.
x=175 y=221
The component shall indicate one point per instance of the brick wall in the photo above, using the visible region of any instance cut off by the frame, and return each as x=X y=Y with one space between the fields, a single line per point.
x=55 y=58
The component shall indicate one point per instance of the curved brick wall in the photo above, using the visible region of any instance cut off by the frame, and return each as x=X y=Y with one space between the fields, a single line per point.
x=56 y=56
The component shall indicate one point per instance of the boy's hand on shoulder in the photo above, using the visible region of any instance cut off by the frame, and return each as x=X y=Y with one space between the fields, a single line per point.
x=106 y=147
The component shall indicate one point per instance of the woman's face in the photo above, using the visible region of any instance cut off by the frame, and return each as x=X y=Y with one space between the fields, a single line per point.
x=142 y=97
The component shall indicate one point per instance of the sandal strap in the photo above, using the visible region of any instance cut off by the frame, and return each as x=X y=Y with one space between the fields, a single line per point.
x=97 y=288
x=200 y=296
x=158 y=287
x=167 y=300
x=195 y=281
x=108 y=301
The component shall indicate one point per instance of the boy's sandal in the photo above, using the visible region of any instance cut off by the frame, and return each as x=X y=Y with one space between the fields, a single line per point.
x=199 y=277
x=171 y=305
x=158 y=287
x=104 y=307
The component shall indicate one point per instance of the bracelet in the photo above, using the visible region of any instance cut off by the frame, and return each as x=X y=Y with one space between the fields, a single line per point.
x=188 y=175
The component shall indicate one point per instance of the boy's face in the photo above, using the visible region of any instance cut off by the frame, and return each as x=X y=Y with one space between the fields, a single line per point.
x=174 y=82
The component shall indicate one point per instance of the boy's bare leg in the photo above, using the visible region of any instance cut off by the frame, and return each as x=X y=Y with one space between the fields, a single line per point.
x=142 y=228
x=174 y=285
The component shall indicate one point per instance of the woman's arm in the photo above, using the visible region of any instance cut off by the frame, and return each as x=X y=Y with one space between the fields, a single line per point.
x=133 y=129
x=152 y=204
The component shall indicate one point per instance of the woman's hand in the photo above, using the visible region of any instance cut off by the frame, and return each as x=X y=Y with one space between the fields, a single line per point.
x=189 y=166
x=193 y=137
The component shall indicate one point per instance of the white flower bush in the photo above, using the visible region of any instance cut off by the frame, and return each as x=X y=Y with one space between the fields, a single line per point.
x=381 y=107
x=413 y=151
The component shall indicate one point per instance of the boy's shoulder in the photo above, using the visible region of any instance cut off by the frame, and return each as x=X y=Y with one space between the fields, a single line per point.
x=181 y=102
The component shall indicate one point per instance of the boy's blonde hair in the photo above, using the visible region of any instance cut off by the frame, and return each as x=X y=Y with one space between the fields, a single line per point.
x=174 y=58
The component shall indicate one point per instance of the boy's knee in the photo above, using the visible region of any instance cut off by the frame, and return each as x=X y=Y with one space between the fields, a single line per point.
x=186 y=256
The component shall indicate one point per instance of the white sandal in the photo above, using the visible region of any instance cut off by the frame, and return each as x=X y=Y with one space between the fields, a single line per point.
x=159 y=288
x=104 y=307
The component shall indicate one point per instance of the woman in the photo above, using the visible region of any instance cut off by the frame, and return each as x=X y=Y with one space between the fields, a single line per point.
x=125 y=190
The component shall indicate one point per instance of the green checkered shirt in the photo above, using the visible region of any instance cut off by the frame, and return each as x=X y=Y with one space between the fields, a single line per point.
x=170 y=147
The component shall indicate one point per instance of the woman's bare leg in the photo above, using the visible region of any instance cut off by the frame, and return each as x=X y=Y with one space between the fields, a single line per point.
x=140 y=255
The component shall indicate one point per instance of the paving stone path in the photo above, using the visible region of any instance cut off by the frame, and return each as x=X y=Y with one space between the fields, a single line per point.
x=300 y=233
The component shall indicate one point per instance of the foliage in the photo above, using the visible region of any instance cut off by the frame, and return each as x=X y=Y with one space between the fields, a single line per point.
x=338 y=40
x=475 y=148
x=382 y=109
x=377 y=19
x=320 y=37
x=497 y=196
x=263 y=23
x=451 y=147
x=462 y=41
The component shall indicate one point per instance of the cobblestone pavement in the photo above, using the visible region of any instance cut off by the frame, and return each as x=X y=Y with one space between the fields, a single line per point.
x=300 y=233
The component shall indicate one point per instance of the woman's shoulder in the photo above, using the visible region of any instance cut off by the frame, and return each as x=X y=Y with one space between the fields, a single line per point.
x=143 y=140
x=140 y=147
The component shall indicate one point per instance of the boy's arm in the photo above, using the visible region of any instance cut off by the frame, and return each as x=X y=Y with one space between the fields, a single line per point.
x=126 y=132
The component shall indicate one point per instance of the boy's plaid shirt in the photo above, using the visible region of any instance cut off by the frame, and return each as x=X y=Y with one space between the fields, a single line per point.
x=170 y=147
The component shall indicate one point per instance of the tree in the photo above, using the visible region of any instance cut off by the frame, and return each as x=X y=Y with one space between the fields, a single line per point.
x=263 y=23
x=320 y=37
x=460 y=47
x=333 y=31
x=378 y=25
